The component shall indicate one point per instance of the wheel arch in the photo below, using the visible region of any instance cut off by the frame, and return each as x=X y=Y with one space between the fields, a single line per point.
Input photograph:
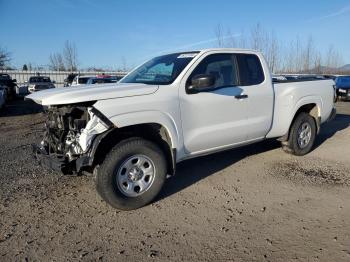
x=313 y=108
x=154 y=132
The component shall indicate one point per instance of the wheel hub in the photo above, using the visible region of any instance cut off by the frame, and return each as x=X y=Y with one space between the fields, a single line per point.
x=304 y=135
x=135 y=175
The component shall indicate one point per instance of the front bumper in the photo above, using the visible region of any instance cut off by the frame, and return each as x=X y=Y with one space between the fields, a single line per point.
x=60 y=163
x=54 y=162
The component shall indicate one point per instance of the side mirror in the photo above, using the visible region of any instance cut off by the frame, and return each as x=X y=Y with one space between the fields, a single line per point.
x=14 y=80
x=54 y=82
x=201 y=83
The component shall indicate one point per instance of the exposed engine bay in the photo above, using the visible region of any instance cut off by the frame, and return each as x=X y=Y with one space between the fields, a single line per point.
x=70 y=130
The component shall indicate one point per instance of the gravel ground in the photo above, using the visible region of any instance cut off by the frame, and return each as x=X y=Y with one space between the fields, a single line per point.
x=253 y=203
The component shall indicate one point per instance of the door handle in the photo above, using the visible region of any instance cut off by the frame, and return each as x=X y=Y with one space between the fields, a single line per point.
x=241 y=96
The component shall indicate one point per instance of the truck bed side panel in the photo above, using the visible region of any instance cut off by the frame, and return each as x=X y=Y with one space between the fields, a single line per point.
x=289 y=97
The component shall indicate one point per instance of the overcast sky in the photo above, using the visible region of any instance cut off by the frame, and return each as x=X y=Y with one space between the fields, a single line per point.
x=106 y=32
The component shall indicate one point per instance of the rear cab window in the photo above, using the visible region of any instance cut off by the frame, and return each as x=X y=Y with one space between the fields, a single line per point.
x=250 y=69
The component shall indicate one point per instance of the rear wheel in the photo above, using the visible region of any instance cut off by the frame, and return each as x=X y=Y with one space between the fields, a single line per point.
x=302 y=135
x=132 y=174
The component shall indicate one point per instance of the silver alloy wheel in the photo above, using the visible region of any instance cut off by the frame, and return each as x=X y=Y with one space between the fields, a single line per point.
x=136 y=175
x=304 y=135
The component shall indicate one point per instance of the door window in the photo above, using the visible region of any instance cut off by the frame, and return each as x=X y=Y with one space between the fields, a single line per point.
x=221 y=66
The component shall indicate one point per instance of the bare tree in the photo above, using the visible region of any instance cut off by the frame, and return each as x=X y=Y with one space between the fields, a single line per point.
x=333 y=60
x=257 y=38
x=297 y=56
x=70 y=55
x=56 y=62
x=242 y=41
x=308 y=55
x=231 y=39
x=267 y=43
x=272 y=51
x=124 y=64
x=219 y=33
x=317 y=66
x=5 y=58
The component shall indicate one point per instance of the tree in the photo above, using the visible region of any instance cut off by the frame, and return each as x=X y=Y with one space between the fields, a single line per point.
x=308 y=55
x=257 y=38
x=124 y=64
x=297 y=56
x=231 y=39
x=317 y=67
x=219 y=29
x=70 y=56
x=56 y=62
x=25 y=67
x=333 y=60
x=5 y=58
x=272 y=51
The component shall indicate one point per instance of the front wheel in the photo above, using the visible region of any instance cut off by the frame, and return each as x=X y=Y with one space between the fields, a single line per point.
x=302 y=135
x=132 y=174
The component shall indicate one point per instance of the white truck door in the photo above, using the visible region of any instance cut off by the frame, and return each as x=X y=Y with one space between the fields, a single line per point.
x=258 y=87
x=217 y=117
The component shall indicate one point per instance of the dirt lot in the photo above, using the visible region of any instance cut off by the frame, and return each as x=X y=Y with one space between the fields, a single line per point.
x=253 y=203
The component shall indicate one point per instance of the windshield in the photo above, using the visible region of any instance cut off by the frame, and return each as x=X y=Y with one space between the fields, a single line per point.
x=161 y=70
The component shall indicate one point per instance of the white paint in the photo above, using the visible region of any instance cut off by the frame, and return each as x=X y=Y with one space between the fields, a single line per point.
x=205 y=122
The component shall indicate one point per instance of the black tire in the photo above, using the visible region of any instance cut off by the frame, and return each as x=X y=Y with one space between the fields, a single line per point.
x=106 y=179
x=292 y=146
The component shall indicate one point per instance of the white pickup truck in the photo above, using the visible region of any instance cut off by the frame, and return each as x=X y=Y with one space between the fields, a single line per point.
x=174 y=107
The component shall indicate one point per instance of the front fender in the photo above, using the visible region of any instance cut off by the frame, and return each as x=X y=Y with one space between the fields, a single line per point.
x=144 y=117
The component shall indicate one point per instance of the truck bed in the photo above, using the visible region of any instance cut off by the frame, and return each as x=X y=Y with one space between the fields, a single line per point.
x=290 y=95
x=306 y=79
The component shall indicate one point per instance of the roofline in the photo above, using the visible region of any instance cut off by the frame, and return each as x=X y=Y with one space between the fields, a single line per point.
x=205 y=50
x=229 y=49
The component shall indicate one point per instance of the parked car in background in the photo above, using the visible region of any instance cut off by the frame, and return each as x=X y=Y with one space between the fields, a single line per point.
x=330 y=76
x=2 y=97
x=172 y=108
x=277 y=78
x=102 y=80
x=290 y=77
x=38 y=83
x=22 y=91
x=110 y=76
x=69 y=79
x=342 y=84
x=80 y=80
x=9 y=84
x=304 y=77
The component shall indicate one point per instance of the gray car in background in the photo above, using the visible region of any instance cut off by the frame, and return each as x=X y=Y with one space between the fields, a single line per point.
x=38 y=83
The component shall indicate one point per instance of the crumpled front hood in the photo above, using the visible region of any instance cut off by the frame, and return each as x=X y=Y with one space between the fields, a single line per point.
x=85 y=93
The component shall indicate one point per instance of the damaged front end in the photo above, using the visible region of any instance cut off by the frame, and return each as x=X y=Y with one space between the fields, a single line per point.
x=70 y=132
